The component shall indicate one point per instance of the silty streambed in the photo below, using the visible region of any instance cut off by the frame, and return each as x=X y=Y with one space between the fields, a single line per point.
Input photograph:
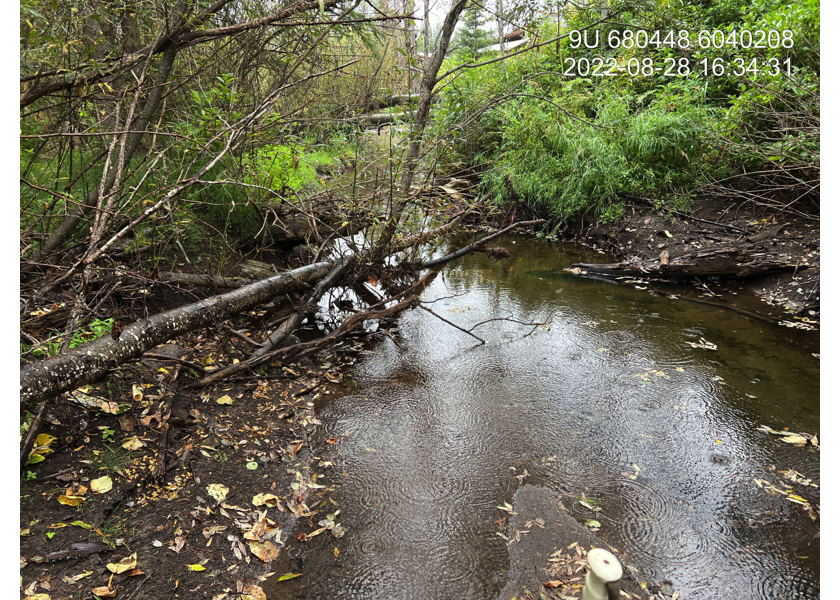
x=609 y=400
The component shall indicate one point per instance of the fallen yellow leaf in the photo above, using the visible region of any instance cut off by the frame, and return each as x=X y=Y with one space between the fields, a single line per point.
x=71 y=500
x=225 y=400
x=126 y=564
x=101 y=485
x=265 y=499
x=44 y=439
x=76 y=578
x=218 y=491
x=253 y=592
x=196 y=567
x=265 y=551
x=133 y=443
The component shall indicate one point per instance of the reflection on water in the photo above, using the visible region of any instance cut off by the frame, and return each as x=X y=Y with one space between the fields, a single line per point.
x=440 y=428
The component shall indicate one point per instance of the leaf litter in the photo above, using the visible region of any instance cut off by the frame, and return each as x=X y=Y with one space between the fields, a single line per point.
x=220 y=445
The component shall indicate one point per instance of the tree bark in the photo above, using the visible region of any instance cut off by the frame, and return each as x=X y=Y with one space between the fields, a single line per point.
x=381 y=118
x=477 y=245
x=396 y=100
x=292 y=323
x=730 y=261
x=197 y=279
x=92 y=360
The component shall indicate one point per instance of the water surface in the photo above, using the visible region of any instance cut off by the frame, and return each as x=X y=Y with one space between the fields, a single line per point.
x=606 y=399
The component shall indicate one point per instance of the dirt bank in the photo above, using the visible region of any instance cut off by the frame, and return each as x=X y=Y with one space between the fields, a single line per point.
x=792 y=294
x=202 y=488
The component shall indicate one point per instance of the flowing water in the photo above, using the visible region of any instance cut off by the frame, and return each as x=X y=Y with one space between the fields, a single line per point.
x=607 y=399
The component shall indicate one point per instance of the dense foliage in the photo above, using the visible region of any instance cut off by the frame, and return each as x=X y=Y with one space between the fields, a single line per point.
x=549 y=134
x=96 y=56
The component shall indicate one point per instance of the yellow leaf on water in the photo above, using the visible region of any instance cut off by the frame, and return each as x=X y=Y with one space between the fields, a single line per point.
x=126 y=564
x=796 y=440
x=101 y=485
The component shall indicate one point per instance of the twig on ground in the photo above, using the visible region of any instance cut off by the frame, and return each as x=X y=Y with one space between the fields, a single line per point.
x=33 y=430
x=180 y=361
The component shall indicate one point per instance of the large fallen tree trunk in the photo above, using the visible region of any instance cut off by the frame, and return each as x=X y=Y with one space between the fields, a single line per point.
x=382 y=118
x=297 y=230
x=351 y=323
x=396 y=100
x=90 y=361
x=729 y=261
x=294 y=321
x=196 y=279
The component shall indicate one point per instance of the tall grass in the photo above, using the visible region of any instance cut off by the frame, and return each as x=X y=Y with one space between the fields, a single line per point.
x=564 y=167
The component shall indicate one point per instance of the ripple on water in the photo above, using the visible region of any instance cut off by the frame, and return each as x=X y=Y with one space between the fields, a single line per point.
x=620 y=339
x=651 y=524
x=379 y=490
x=782 y=580
x=429 y=437
x=456 y=554
x=622 y=498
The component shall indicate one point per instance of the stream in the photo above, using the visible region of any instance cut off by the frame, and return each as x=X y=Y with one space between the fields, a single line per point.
x=606 y=398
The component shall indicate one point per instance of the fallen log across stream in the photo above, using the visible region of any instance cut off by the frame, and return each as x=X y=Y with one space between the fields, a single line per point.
x=729 y=261
x=90 y=361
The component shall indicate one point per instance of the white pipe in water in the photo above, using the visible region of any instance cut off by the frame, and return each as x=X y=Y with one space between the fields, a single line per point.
x=603 y=569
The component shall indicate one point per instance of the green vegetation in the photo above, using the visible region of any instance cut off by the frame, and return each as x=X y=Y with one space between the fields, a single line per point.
x=50 y=347
x=548 y=134
x=112 y=459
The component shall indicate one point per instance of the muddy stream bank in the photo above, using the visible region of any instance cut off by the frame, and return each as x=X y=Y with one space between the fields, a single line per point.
x=613 y=399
